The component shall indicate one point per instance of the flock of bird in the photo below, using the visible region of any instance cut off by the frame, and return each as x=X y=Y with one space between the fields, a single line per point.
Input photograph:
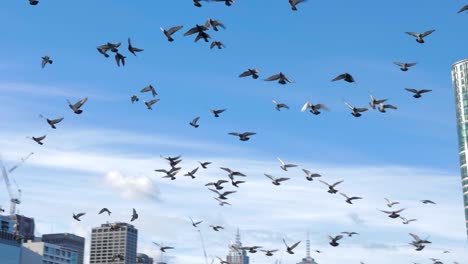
x=222 y=196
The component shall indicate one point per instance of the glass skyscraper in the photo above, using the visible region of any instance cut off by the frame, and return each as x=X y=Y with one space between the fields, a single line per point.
x=460 y=86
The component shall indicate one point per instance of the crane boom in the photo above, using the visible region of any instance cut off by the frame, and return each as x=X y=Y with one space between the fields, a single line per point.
x=20 y=163
x=14 y=199
x=5 y=177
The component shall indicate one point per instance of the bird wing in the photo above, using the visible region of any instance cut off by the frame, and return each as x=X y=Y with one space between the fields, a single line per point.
x=345 y=196
x=270 y=177
x=465 y=8
x=213 y=44
x=229 y=192
x=339 y=77
x=411 y=64
x=173 y=30
x=234 y=134
x=399 y=64
x=80 y=215
x=55 y=121
x=424 y=91
x=322 y=106
x=390 y=106
x=349 y=106
x=246 y=134
x=282 y=163
x=214 y=191
x=336 y=183
x=245 y=74
x=417 y=238
x=338 y=237
x=324 y=182
x=401 y=210
x=307 y=172
x=273 y=78
x=191 y=31
x=194 y=170
x=221 y=182
x=361 y=109
x=41 y=138
x=295 y=245
x=387 y=212
x=427 y=33
x=219 y=23
x=153 y=101
x=226 y=169
x=80 y=103
x=282 y=179
x=195 y=120
x=411 y=90
x=306 y=105
x=414 y=34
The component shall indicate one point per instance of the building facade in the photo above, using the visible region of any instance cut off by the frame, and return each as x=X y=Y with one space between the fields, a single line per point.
x=460 y=86
x=10 y=249
x=47 y=253
x=111 y=240
x=66 y=240
x=237 y=255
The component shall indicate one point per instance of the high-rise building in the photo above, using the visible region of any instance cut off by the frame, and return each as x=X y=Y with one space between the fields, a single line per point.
x=460 y=86
x=23 y=227
x=47 y=253
x=66 y=240
x=144 y=259
x=112 y=240
x=10 y=249
x=237 y=255
x=308 y=259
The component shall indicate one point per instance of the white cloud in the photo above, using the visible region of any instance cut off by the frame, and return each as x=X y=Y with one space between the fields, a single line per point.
x=132 y=187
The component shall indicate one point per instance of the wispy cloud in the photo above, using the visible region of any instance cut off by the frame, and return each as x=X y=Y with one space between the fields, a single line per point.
x=132 y=187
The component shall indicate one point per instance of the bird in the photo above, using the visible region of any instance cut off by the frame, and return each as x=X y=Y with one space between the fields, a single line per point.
x=350 y=234
x=163 y=249
x=217 y=44
x=133 y=49
x=417 y=93
x=463 y=9
x=427 y=202
x=217 y=112
x=221 y=202
x=52 y=122
x=119 y=58
x=356 y=112
x=375 y=101
x=216 y=228
x=278 y=106
x=236 y=183
x=226 y=2
x=214 y=24
x=310 y=176
x=168 y=172
x=172 y=159
x=289 y=249
x=204 y=164
x=197 y=29
x=197 y=3
x=420 y=36
x=285 y=166
x=251 y=249
x=76 y=107
x=404 y=65
x=390 y=204
x=269 y=253
x=345 y=76
x=195 y=224
x=331 y=188
x=217 y=184
x=202 y=35
x=134 y=215
x=243 y=136
x=108 y=46
x=46 y=59
x=293 y=3
x=222 y=196
x=168 y=33
x=151 y=89
x=150 y=103
x=105 y=210
x=382 y=107
x=418 y=240
x=39 y=139
x=276 y=181
x=134 y=98
x=250 y=72
x=393 y=214
x=350 y=199
x=232 y=173
x=194 y=122
x=334 y=240
x=407 y=221
x=33 y=2
x=314 y=108
x=221 y=261
x=77 y=216
x=418 y=246
x=192 y=173
x=171 y=175
x=282 y=79
x=118 y=256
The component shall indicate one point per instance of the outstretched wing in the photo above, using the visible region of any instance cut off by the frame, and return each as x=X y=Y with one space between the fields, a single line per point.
x=427 y=33
x=173 y=30
x=80 y=103
x=273 y=78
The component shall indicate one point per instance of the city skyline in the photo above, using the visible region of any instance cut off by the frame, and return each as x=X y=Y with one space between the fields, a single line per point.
x=106 y=156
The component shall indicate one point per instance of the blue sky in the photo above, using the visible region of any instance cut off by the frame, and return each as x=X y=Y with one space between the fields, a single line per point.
x=311 y=46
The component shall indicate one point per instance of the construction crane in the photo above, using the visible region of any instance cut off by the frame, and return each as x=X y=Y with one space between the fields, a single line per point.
x=15 y=198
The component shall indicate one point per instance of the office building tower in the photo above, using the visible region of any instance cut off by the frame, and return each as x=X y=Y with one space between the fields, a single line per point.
x=143 y=259
x=237 y=255
x=460 y=87
x=10 y=249
x=308 y=259
x=112 y=240
x=47 y=253
x=66 y=240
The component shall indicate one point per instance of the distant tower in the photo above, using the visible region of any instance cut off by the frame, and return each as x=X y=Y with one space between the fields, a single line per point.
x=460 y=86
x=308 y=259
x=237 y=255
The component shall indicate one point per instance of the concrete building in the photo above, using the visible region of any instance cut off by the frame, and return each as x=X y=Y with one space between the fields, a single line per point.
x=66 y=240
x=10 y=249
x=237 y=255
x=110 y=240
x=48 y=254
x=460 y=87
x=144 y=259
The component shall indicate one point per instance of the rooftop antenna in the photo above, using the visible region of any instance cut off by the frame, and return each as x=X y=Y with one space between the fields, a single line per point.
x=308 y=245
